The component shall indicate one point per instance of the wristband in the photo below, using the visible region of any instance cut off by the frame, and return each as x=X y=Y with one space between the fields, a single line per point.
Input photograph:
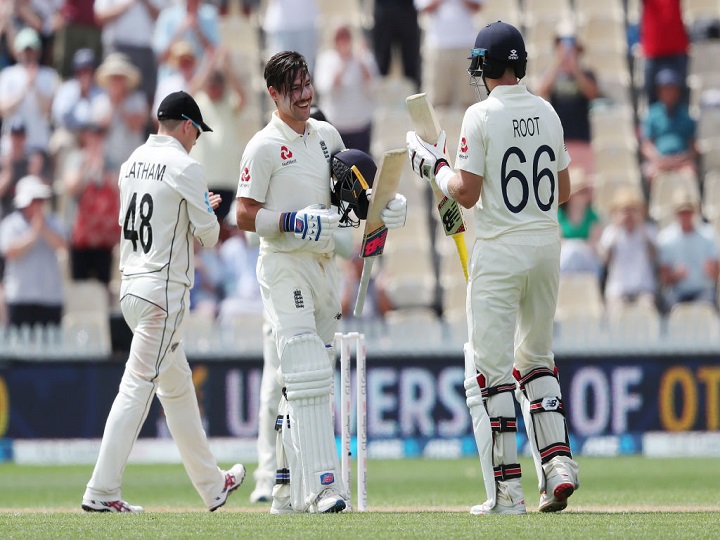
x=440 y=163
x=287 y=221
x=267 y=223
x=443 y=174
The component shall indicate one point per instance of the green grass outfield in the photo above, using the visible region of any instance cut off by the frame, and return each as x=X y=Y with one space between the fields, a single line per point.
x=624 y=497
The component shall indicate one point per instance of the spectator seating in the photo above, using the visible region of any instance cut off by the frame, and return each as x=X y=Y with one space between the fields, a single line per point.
x=693 y=324
x=634 y=325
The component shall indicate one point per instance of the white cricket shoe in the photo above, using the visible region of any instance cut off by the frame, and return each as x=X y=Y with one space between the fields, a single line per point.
x=485 y=509
x=233 y=479
x=328 y=502
x=91 y=505
x=559 y=487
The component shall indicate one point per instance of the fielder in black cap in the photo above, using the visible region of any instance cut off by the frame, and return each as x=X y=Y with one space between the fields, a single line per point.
x=181 y=106
x=165 y=209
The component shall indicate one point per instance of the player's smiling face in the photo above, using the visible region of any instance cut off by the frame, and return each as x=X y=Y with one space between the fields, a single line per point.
x=294 y=105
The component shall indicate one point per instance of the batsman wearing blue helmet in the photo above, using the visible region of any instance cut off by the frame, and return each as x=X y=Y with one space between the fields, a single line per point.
x=512 y=170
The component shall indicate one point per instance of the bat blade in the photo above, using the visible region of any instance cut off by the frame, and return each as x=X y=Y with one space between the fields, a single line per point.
x=423 y=116
x=428 y=127
x=385 y=185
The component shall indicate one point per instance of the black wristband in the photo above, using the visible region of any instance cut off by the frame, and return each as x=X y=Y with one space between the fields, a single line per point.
x=442 y=162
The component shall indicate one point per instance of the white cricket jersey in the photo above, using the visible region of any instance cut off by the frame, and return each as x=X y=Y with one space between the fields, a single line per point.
x=164 y=203
x=287 y=171
x=514 y=140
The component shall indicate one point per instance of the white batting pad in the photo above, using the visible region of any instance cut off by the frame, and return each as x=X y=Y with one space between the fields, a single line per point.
x=546 y=428
x=308 y=379
x=509 y=492
x=481 y=425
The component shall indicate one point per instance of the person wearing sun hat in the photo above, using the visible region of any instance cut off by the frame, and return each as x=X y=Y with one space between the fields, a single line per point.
x=186 y=75
x=627 y=248
x=30 y=238
x=195 y=21
x=127 y=28
x=122 y=109
x=688 y=255
x=27 y=90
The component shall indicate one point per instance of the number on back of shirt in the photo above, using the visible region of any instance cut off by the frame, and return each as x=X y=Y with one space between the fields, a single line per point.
x=143 y=232
x=512 y=163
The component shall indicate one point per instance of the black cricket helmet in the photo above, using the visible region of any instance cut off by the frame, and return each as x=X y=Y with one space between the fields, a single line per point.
x=497 y=46
x=353 y=172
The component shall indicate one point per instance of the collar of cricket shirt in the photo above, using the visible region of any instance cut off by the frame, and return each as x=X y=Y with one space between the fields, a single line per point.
x=289 y=133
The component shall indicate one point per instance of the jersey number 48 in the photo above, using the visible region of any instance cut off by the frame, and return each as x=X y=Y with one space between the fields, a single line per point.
x=143 y=232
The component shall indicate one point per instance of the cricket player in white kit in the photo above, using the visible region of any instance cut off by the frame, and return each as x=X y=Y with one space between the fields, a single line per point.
x=512 y=170
x=164 y=204
x=284 y=195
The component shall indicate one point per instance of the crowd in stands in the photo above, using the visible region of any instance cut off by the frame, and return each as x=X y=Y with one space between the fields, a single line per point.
x=80 y=81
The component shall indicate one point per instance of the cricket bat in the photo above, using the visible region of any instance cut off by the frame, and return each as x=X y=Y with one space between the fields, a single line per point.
x=384 y=188
x=428 y=128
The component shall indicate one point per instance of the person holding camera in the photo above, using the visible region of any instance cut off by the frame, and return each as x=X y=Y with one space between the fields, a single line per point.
x=570 y=88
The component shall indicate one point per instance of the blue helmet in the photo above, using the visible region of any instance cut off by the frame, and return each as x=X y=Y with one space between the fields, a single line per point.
x=497 y=46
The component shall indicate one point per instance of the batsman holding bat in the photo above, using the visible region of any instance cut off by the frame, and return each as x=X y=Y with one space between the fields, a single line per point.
x=512 y=170
x=284 y=194
x=164 y=205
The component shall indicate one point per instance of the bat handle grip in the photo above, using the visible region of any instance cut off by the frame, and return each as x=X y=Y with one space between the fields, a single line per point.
x=363 y=287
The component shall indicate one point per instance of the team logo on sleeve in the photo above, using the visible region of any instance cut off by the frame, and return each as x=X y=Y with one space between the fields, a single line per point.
x=463 y=148
x=245 y=176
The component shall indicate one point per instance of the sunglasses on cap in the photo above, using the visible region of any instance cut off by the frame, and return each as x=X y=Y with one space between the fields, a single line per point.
x=195 y=124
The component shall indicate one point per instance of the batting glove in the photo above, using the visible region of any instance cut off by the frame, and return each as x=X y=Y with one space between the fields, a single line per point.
x=426 y=159
x=313 y=223
x=395 y=212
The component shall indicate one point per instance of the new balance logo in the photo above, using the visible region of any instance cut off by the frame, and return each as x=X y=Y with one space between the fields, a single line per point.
x=551 y=404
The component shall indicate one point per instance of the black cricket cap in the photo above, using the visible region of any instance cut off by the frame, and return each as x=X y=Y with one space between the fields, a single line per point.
x=178 y=106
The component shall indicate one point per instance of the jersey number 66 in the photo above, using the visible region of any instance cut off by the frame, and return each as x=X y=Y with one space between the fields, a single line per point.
x=537 y=176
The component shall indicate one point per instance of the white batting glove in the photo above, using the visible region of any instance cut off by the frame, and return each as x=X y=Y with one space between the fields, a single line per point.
x=313 y=223
x=426 y=158
x=395 y=212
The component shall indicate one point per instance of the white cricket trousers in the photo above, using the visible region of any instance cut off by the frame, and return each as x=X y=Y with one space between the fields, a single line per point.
x=512 y=295
x=156 y=364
